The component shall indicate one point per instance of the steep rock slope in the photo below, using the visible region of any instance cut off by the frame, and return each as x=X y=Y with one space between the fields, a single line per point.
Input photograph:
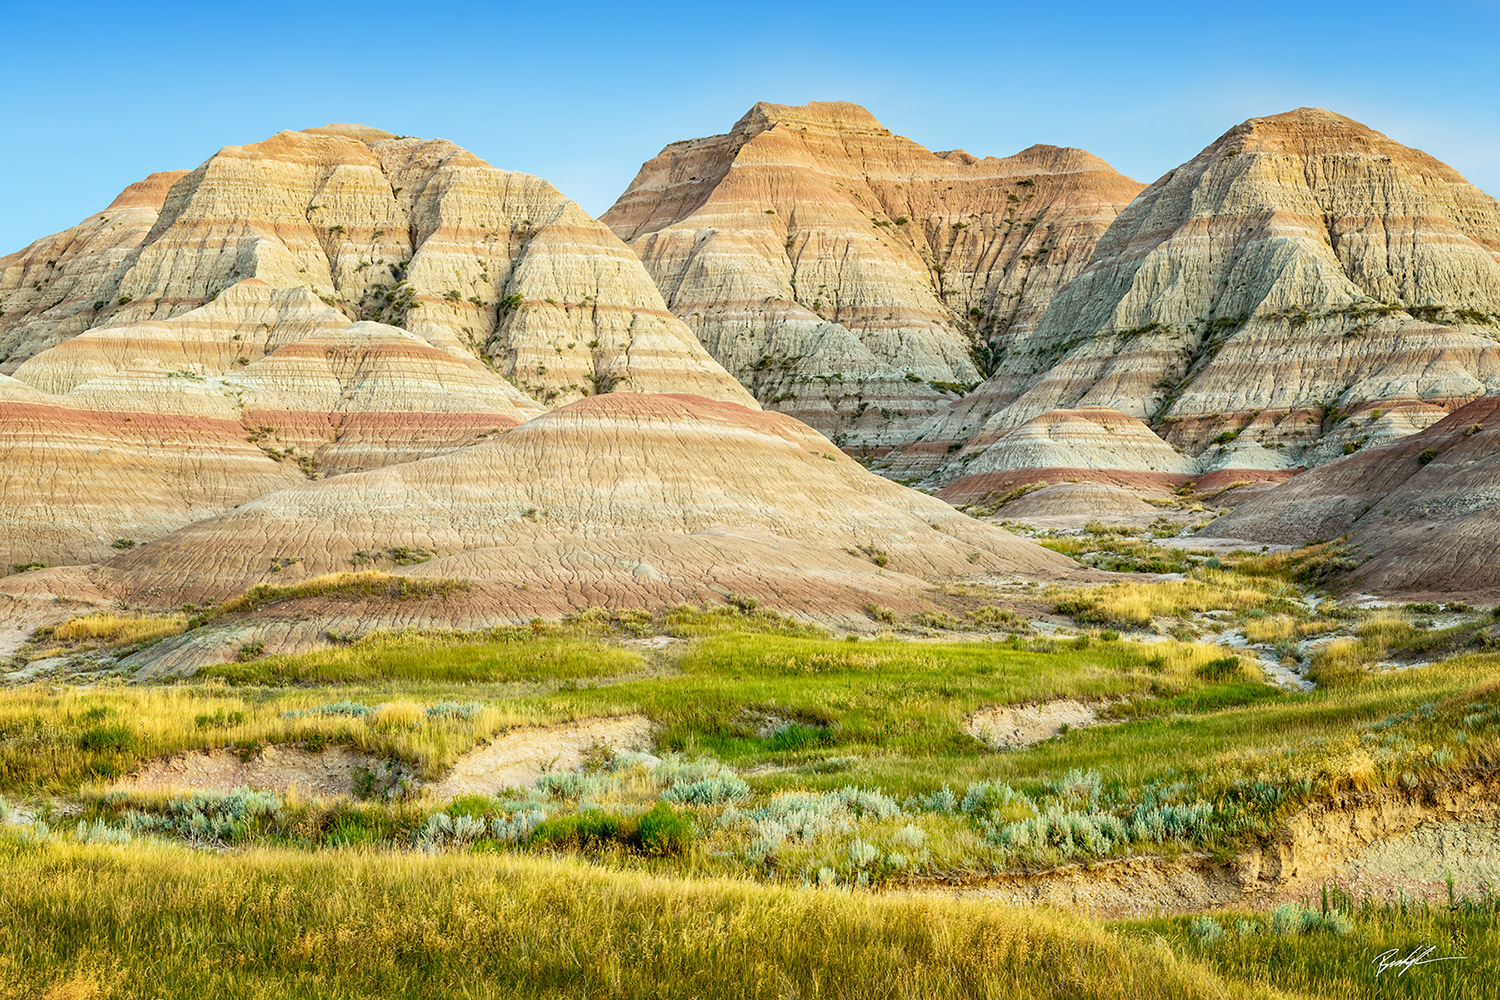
x=419 y=234
x=851 y=277
x=1300 y=269
x=51 y=290
x=1097 y=438
x=1421 y=513
x=623 y=500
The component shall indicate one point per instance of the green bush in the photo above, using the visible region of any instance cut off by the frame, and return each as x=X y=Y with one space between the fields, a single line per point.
x=664 y=831
x=798 y=737
x=1223 y=669
x=355 y=829
x=103 y=739
x=591 y=829
x=471 y=805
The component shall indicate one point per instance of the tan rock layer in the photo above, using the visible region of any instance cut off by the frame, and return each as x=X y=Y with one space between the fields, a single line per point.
x=1420 y=513
x=849 y=276
x=74 y=480
x=420 y=234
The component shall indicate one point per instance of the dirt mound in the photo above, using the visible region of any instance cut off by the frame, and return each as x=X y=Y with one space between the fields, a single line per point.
x=276 y=768
x=518 y=758
x=1010 y=727
x=621 y=500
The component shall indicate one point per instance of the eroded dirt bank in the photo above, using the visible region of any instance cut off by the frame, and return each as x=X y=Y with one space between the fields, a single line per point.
x=1380 y=842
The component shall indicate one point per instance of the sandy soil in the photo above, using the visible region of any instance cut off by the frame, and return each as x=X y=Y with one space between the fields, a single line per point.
x=324 y=774
x=518 y=758
x=1010 y=727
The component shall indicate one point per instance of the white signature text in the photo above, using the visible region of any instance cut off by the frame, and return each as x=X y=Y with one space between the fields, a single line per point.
x=1393 y=959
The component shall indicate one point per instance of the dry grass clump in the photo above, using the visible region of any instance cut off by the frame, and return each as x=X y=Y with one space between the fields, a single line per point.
x=401 y=714
x=1281 y=628
x=350 y=586
x=118 y=630
x=58 y=740
x=1136 y=605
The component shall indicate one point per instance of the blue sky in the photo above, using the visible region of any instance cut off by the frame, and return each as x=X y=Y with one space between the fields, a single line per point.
x=582 y=93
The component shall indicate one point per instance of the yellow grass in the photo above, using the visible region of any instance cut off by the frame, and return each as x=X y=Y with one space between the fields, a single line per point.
x=139 y=722
x=1279 y=628
x=117 y=630
x=1137 y=604
x=397 y=715
x=144 y=919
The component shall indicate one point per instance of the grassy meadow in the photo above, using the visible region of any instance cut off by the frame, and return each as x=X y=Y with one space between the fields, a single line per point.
x=807 y=793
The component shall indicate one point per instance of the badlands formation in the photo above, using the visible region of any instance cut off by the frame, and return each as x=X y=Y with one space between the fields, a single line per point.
x=321 y=302
x=1303 y=287
x=341 y=349
x=622 y=500
x=852 y=278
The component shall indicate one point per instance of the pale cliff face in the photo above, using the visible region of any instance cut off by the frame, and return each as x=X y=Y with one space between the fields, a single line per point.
x=1300 y=269
x=851 y=277
x=419 y=234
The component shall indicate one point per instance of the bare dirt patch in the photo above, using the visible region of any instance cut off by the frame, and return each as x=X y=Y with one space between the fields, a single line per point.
x=1420 y=861
x=1011 y=727
x=276 y=768
x=1136 y=886
x=518 y=758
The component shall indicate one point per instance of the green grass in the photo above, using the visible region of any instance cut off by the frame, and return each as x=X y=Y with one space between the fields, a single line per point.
x=900 y=705
x=1192 y=729
x=436 y=659
x=680 y=895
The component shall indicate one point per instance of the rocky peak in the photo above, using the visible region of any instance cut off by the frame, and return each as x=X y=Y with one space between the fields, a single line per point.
x=1300 y=270
x=852 y=277
x=829 y=116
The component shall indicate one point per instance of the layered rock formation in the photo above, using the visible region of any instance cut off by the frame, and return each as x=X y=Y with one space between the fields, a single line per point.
x=419 y=234
x=49 y=291
x=622 y=500
x=1303 y=287
x=81 y=480
x=851 y=277
x=1420 y=513
x=321 y=302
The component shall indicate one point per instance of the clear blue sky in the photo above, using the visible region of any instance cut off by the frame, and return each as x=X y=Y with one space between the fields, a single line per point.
x=582 y=93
